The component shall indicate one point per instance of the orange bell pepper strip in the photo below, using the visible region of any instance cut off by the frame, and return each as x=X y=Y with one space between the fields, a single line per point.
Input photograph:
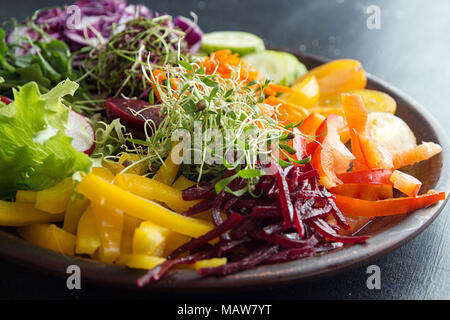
x=311 y=123
x=362 y=191
x=289 y=112
x=356 y=115
x=331 y=156
x=375 y=156
x=357 y=207
x=405 y=183
x=375 y=176
x=422 y=152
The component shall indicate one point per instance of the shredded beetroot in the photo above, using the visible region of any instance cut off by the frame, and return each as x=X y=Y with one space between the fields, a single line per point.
x=294 y=218
x=204 y=239
x=199 y=207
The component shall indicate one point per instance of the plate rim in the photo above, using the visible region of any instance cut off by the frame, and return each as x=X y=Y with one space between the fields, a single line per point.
x=331 y=263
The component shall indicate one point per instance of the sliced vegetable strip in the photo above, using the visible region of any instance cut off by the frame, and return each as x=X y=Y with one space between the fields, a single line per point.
x=154 y=190
x=422 y=152
x=100 y=191
x=356 y=207
x=16 y=214
x=406 y=183
x=376 y=176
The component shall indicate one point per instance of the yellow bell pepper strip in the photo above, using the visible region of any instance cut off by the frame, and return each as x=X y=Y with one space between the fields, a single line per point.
x=16 y=214
x=26 y=196
x=331 y=156
x=209 y=263
x=100 y=191
x=356 y=207
x=55 y=199
x=337 y=76
x=103 y=173
x=375 y=101
x=140 y=261
x=405 y=183
x=74 y=210
x=422 y=152
x=154 y=190
x=168 y=171
x=153 y=240
x=133 y=163
x=361 y=191
x=88 y=237
x=305 y=93
x=149 y=239
x=49 y=236
x=109 y=223
x=130 y=224
x=182 y=183
x=326 y=111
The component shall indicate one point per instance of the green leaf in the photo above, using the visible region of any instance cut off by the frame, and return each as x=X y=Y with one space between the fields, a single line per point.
x=237 y=193
x=186 y=65
x=288 y=148
x=35 y=152
x=209 y=82
x=189 y=106
x=293 y=125
x=220 y=185
x=250 y=173
x=283 y=163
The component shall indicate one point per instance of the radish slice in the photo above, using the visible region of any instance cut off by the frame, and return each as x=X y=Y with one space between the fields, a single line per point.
x=5 y=100
x=82 y=133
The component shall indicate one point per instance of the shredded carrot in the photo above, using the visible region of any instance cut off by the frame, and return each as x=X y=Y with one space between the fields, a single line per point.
x=228 y=65
x=272 y=89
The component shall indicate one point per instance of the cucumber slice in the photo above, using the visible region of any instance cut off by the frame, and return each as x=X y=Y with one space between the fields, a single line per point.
x=271 y=64
x=237 y=41
x=279 y=66
x=294 y=66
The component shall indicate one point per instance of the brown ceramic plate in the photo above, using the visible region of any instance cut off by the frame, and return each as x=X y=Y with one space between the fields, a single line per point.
x=387 y=233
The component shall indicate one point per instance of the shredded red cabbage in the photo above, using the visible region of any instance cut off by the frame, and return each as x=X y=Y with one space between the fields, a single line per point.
x=98 y=18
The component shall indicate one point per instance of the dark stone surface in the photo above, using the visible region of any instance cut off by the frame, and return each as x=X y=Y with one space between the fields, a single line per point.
x=410 y=51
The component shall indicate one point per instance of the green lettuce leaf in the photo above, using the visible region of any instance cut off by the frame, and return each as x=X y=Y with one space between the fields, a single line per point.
x=35 y=152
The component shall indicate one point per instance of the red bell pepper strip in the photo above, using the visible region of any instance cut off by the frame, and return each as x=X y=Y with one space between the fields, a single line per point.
x=356 y=207
x=375 y=176
x=361 y=191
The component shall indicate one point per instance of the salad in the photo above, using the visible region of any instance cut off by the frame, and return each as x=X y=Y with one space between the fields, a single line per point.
x=133 y=138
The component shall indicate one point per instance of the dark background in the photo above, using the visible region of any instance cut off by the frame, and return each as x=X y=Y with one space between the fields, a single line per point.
x=410 y=51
